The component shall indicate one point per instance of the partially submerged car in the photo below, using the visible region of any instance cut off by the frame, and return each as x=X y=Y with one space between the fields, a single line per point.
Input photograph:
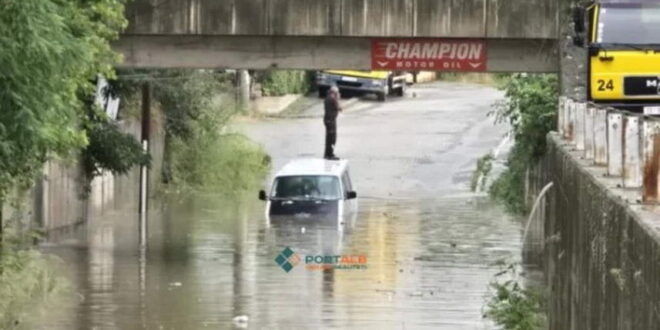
x=314 y=190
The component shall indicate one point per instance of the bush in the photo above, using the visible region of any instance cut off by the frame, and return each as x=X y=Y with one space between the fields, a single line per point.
x=484 y=166
x=282 y=82
x=530 y=108
x=109 y=148
x=213 y=162
x=27 y=280
x=197 y=105
x=514 y=307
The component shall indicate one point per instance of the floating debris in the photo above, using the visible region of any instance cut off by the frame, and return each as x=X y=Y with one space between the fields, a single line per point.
x=240 y=321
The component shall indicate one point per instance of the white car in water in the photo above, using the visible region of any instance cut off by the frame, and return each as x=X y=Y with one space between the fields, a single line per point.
x=313 y=190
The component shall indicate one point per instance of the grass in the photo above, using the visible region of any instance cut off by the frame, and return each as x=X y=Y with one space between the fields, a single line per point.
x=27 y=285
x=220 y=163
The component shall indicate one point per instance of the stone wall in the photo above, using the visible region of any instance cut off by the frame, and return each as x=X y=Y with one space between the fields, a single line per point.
x=602 y=250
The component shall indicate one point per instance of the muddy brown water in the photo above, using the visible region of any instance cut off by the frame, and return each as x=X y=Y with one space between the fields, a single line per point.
x=430 y=244
x=428 y=265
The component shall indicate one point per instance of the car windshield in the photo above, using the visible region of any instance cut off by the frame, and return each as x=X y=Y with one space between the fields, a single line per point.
x=307 y=187
x=629 y=24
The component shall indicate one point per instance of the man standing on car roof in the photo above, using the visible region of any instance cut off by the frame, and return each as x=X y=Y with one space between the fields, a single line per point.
x=332 y=109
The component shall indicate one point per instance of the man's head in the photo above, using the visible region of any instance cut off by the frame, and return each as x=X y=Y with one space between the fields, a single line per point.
x=334 y=91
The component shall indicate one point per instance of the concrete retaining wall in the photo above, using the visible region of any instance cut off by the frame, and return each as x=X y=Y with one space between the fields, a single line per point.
x=602 y=251
x=57 y=202
x=387 y=18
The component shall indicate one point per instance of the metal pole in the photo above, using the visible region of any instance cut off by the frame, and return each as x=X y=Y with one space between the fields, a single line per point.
x=144 y=172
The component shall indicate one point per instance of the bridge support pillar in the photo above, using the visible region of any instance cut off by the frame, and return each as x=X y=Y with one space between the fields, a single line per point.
x=243 y=89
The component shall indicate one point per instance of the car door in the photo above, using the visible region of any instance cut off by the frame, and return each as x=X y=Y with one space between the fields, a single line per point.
x=350 y=205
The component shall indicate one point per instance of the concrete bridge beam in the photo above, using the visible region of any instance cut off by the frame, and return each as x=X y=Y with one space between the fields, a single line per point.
x=291 y=52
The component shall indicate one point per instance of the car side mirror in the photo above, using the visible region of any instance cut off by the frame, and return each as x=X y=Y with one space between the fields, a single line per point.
x=262 y=195
x=351 y=195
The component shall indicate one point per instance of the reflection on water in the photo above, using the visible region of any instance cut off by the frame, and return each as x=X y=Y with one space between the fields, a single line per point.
x=209 y=260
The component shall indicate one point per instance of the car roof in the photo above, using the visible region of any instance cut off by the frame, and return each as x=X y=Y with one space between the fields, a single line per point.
x=313 y=166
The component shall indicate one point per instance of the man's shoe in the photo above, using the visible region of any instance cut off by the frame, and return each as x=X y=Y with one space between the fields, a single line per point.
x=331 y=157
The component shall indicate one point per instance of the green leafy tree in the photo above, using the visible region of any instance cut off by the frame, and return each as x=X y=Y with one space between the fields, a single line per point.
x=51 y=51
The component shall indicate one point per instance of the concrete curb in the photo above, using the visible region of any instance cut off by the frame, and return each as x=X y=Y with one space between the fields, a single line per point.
x=273 y=106
x=348 y=104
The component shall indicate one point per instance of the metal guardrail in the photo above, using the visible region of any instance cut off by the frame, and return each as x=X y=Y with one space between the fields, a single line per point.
x=628 y=144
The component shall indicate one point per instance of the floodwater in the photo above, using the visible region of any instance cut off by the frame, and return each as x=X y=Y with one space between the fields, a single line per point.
x=430 y=244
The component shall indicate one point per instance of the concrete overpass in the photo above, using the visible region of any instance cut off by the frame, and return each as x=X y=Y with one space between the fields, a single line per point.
x=518 y=35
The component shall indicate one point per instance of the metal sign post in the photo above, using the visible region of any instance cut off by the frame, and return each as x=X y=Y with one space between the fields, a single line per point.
x=144 y=171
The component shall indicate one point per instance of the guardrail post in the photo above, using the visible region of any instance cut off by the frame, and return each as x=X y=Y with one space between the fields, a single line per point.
x=589 y=116
x=651 y=161
x=614 y=144
x=580 y=110
x=632 y=153
x=569 y=120
x=600 y=137
x=560 y=115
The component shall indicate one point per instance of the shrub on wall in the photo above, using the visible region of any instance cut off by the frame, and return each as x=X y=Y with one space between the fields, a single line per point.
x=530 y=107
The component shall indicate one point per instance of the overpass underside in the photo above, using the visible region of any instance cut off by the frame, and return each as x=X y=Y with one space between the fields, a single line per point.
x=298 y=52
x=518 y=35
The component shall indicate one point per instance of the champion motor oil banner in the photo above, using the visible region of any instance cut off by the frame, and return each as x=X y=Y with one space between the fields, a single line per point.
x=429 y=54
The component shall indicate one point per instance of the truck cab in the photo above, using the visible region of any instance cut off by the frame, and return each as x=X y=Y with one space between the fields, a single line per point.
x=380 y=83
x=623 y=40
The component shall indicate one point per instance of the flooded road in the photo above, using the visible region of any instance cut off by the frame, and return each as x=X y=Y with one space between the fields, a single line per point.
x=430 y=244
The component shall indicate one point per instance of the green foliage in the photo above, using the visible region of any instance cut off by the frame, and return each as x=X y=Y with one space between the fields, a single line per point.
x=514 y=307
x=51 y=52
x=27 y=281
x=198 y=105
x=484 y=165
x=198 y=155
x=282 y=82
x=530 y=108
x=109 y=148
x=189 y=97
x=221 y=163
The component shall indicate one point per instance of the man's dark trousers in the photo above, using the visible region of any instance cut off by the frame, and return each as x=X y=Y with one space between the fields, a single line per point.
x=330 y=137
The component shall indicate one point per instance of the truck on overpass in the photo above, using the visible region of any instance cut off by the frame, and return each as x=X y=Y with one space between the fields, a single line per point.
x=380 y=83
x=624 y=53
